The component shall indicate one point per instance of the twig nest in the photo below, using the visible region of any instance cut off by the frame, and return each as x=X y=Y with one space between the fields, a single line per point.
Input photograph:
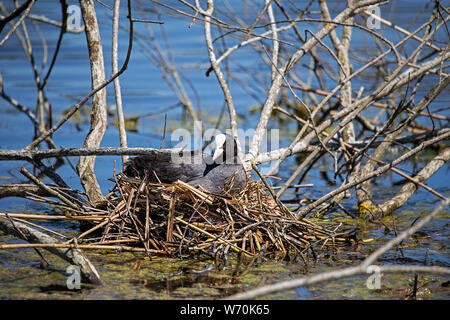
x=175 y=218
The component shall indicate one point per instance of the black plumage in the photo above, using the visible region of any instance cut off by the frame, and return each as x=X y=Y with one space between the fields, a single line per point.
x=222 y=171
x=168 y=168
x=227 y=171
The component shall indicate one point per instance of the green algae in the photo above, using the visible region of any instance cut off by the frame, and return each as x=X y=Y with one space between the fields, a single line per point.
x=23 y=275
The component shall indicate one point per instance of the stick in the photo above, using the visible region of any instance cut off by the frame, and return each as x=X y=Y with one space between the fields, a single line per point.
x=51 y=217
x=51 y=191
x=117 y=90
x=80 y=246
x=275 y=197
x=213 y=237
x=395 y=27
x=30 y=155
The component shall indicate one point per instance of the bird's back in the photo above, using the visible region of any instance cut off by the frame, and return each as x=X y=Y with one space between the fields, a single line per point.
x=166 y=168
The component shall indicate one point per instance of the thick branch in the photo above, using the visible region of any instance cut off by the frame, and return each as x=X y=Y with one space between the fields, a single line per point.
x=220 y=77
x=409 y=188
x=30 y=155
x=99 y=119
x=73 y=256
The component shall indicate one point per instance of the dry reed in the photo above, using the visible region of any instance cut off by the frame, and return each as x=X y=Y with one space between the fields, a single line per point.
x=178 y=219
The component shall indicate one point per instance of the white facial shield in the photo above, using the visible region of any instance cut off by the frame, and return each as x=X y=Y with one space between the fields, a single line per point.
x=220 y=141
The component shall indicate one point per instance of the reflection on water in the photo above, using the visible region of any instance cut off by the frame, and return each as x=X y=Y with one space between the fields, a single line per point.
x=147 y=98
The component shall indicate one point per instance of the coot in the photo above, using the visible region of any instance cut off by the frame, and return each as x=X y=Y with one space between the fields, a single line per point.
x=224 y=170
x=227 y=171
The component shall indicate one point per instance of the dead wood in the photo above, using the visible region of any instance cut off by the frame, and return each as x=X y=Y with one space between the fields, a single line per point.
x=73 y=256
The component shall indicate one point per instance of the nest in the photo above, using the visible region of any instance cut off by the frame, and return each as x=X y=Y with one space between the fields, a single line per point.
x=178 y=220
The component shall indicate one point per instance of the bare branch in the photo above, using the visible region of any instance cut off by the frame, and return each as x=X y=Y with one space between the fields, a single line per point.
x=26 y=6
x=117 y=90
x=303 y=212
x=73 y=256
x=220 y=77
x=409 y=188
x=32 y=155
x=99 y=121
x=276 y=83
x=351 y=271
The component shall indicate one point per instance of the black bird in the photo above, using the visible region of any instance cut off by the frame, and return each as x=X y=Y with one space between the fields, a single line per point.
x=227 y=171
x=223 y=170
x=167 y=167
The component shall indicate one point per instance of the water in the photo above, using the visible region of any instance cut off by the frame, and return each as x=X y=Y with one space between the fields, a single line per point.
x=145 y=92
